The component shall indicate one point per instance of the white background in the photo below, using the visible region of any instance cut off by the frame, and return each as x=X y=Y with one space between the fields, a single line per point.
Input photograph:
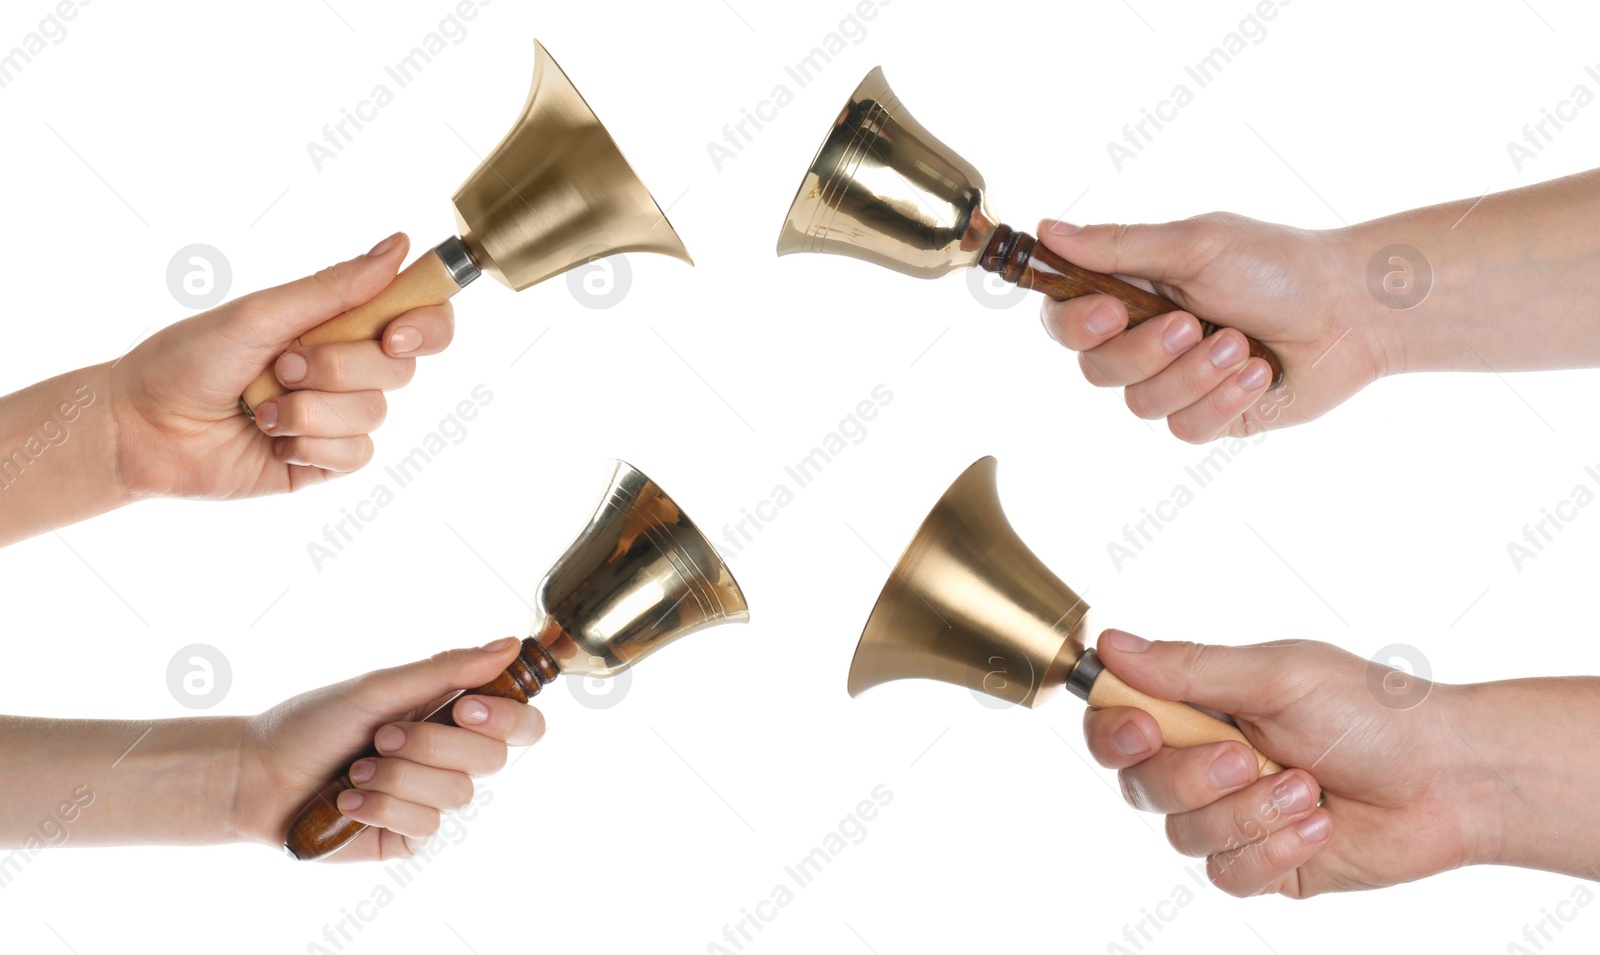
x=650 y=825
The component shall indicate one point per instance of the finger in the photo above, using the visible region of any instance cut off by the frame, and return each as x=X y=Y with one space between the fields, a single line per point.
x=404 y=689
x=512 y=723
x=272 y=318
x=323 y=414
x=1084 y=322
x=441 y=789
x=1268 y=865
x=1120 y=736
x=1190 y=378
x=1141 y=351
x=1183 y=780
x=343 y=367
x=389 y=812
x=1244 y=681
x=1248 y=815
x=339 y=455
x=447 y=747
x=421 y=331
x=1168 y=252
x=1222 y=411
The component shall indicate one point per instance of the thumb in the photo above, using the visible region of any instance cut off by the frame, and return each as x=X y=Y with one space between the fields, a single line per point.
x=274 y=317
x=402 y=688
x=1161 y=253
x=1244 y=681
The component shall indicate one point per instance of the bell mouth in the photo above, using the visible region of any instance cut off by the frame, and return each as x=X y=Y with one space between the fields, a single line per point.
x=855 y=130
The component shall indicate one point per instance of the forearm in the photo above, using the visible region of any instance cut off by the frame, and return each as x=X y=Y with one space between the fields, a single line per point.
x=1515 y=280
x=57 y=454
x=1530 y=747
x=114 y=782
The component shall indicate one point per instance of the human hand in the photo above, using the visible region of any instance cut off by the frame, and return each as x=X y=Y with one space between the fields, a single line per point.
x=180 y=431
x=1397 y=782
x=1290 y=289
x=423 y=768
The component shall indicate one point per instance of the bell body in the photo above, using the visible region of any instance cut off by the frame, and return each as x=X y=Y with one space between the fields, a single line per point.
x=884 y=189
x=969 y=603
x=557 y=191
x=638 y=577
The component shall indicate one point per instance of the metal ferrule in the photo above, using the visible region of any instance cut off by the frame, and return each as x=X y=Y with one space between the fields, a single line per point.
x=1081 y=680
x=453 y=253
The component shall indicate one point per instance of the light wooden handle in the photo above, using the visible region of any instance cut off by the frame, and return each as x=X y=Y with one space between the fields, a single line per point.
x=427 y=281
x=1181 y=724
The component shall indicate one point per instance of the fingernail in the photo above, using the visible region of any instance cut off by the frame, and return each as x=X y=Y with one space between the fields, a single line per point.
x=350 y=799
x=267 y=416
x=497 y=646
x=1057 y=227
x=1292 y=795
x=405 y=339
x=1226 y=351
x=361 y=770
x=1230 y=771
x=390 y=738
x=291 y=368
x=1180 y=334
x=1313 y=828
x=384 y=246
x=1253 y=376
x=473 y=711
x=1129 y=740
x=1102 y=320
x=1129 y=643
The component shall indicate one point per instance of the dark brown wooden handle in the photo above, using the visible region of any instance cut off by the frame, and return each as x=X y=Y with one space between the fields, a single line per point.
x=320 y=828
x=1021 y=260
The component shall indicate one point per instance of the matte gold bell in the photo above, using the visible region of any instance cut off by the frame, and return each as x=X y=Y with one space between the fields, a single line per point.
x=970 y=604
x=638 y=577
x=557 y=191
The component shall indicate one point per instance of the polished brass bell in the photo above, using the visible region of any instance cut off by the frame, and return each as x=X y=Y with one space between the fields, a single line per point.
x=555 y=194
x=883 y=189
x=968 y=603
x=638 y=577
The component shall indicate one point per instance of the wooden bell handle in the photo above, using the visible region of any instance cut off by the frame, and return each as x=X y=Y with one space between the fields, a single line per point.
x=1021 y=260
x=320 y=829
x=1181 y=724
x=427 y=281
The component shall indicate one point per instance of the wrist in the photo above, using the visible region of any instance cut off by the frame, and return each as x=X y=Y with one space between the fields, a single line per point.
x=1375 y=296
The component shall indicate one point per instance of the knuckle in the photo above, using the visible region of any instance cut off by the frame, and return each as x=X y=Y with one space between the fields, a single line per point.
x=374 y=407
x=1091 y=371
x=1138 y=402
x=405 y=369
x=428 y=822
x=466 y=789
x=1187 y=431
x=333 y=367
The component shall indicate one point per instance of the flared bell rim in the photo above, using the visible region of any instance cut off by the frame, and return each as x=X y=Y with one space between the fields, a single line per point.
x=504 y=264
x=863 y=674
x=791 y=238
x=729 y=613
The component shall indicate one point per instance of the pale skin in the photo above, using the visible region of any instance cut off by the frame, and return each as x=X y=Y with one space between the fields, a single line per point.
x=1489 y=773
x=164 y=421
